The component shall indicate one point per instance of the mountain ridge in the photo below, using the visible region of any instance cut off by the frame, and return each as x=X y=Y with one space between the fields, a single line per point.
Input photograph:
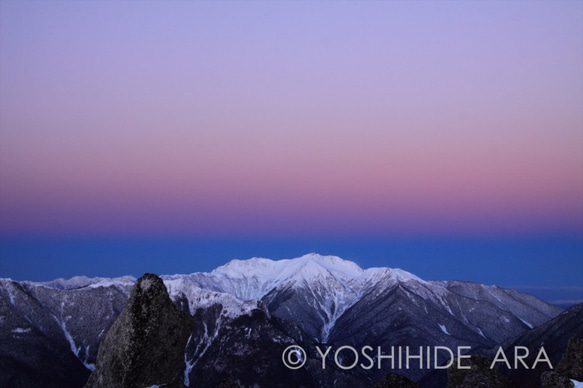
x=313 y=299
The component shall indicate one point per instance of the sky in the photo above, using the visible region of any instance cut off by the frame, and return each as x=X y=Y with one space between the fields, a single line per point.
x=242 y=129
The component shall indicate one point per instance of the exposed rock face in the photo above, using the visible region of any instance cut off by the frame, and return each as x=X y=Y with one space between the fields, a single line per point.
x=246 y=351
x=555 y=380
x=479 y=375
x=49 y=336
x=145 y=346
x=554 y=336
x=337 y=303
x=571 y=364
x=393 y=380
x=570 y=367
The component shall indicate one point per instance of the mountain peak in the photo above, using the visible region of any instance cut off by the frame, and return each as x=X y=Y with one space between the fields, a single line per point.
x=281 y=268
x=342 y=280
x=335 y=261
x=314 y=299
x=304 y=268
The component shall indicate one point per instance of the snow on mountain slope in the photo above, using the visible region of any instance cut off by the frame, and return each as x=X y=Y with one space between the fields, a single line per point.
x=332 y=300
x=316 y=291
x=55 y=332
x=84 y=281
x=181 y=290
x=331 y=285
x=254 y=278
x=305 y=269
x=335 y=301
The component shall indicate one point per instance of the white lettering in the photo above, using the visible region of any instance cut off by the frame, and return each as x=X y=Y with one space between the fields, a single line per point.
x=538 y=358
x=380 y=357
x=460 y=356
x=435 y=349
x=518 y=357
x=498 y=353
x=369 y=358
x=338 y=364
x=323 y=355
x=410 y=356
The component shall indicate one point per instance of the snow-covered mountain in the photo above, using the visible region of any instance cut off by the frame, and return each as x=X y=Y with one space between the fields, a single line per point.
x=325 y=287
x=312 y=299
x=322 y=287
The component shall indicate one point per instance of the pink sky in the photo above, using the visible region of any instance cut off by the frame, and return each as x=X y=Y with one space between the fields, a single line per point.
x=291 y=118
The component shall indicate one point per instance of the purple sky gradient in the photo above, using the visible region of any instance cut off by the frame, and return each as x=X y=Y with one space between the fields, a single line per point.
x=291 y=118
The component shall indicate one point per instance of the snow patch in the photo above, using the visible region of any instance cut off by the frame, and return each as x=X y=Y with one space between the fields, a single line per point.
x=443 y=329
x=578 y=384
x=116 y=282
x=69 y=337
x=530 y=326
x=9 y=289
x=20 y=330
x=444 y=303
x=492 y=291
x=188 y=364
x=89 y=366
x=202 y=298
x=84 y=281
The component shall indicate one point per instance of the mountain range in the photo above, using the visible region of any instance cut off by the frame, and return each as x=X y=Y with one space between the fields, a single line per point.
x=248 y=312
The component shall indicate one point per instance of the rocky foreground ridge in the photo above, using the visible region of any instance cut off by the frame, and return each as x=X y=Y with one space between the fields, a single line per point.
x=232 y=326
x=145 y=345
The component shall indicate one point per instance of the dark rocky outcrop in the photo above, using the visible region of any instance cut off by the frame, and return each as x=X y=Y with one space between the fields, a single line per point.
x=145 y=346
x=571 y=364
x=393 y=380
x=39 y=361
x=570 y=367
x=555 y=380
x=229 y=384
x=479 y=375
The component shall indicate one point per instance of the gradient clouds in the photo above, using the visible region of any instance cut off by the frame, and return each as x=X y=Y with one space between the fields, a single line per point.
x=275 y=119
